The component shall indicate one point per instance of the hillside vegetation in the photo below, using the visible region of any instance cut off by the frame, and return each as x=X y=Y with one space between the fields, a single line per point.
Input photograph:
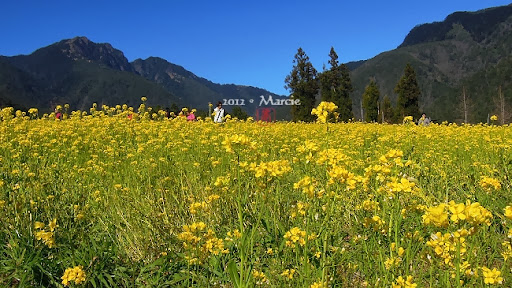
x=467 y=49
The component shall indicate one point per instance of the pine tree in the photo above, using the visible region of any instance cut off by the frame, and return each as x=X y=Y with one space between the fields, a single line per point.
x=371 y=97
x=239 y=113
x=328 y=80
x=408 y=92
x=303 y=85
x=335 y=86
x=387 y=110
x=174 y=108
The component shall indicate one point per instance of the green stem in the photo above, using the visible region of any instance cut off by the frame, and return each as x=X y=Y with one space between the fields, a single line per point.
x=241 y=249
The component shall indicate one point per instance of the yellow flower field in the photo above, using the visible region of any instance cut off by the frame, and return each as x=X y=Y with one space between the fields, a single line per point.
x=109 y=200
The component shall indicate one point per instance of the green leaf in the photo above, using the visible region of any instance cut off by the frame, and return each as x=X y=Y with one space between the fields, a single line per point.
x=233 y=273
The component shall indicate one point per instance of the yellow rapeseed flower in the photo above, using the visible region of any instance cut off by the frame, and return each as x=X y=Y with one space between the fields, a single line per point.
x=492 y=276
x=400 y=282
x=288 y=273
x=488 y=183
x=75 y=274
x=508 y=212
x=322 y=111
x=53 y=224
x=295 y=236
x=318 y=284
x=458 y=211
x=436 y=216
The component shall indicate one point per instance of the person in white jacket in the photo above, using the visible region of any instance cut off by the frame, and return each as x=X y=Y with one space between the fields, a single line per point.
x=219 y=113
x=424 y=120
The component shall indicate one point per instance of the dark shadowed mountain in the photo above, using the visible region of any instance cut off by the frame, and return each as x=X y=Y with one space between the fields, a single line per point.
x=80 y=72
x=18 y=87
x=193 y=90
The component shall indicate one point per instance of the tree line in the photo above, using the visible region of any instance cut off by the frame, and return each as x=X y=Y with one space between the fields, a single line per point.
x=334 y=85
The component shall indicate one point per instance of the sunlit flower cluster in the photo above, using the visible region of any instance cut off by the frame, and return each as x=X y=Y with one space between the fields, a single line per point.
x=448 y=246
x=406 y=282
x=375 y=222
x=322 y=111
x=472 y=213
x=297 y=237
x=288 y=273
x=200 y=242
x=341 y=175
x=408 y=120
x=260 y=277
x=270 y=169
x=154 y=199
x=235 y=141
x=202 y=206
x=299 y=209
x=46 y=233
x=402 y=185
x=75 y=274
x=489 y=183
x=308 y=185
x=492 y=276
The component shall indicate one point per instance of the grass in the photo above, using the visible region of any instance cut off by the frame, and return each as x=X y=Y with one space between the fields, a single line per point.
x=142 y=203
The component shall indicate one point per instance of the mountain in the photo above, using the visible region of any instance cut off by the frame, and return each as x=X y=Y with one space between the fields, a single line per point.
x=17 y=86
x=354 y=64
x=480 y=25
x=194 y=90
x=80 y=72
x=467 y=49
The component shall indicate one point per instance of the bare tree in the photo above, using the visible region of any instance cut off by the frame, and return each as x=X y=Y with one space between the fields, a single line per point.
x=465 y=105
x=381 y=111
x=362 y=111
x=501 y=106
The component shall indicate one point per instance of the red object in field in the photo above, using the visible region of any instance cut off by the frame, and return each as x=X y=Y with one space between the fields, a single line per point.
x=265 y=114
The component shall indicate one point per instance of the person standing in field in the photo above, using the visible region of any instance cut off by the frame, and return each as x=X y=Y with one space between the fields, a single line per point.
x=191 y=116
x=424 y=120
x=58 y=114
x=219 y=113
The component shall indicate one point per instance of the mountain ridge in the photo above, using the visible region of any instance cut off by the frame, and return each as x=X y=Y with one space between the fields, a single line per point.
x=445 y=60
x=465 y=51
x=68 y=70
x=437 y=31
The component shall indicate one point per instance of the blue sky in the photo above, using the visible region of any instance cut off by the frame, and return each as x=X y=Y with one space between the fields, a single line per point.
x=241 y=42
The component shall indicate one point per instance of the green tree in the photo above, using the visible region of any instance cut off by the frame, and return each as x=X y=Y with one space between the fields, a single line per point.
x=239 y=113
x=201 y=113
x=371 y=97
x=335 y=86
x=386 y=110
x=303 y=85
x=174 y=108
x=408 y=92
